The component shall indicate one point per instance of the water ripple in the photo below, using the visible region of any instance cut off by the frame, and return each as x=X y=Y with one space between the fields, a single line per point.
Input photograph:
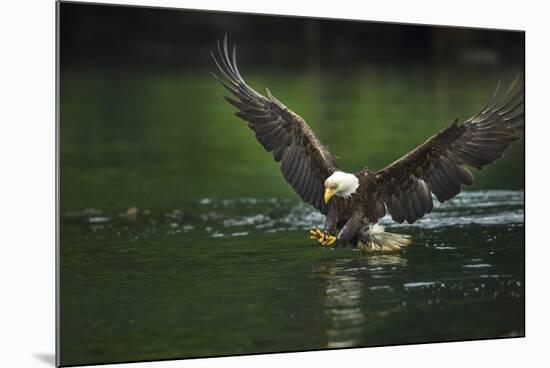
x=493 y=207
x=242 y=216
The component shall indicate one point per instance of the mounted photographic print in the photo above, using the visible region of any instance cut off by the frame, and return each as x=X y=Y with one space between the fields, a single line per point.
x=235 y=184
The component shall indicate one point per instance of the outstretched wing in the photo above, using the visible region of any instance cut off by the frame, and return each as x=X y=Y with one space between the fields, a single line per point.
x=438 y=166
x=305 y=162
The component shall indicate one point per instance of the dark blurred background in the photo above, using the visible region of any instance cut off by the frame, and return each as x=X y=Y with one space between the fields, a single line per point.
x=149 y=38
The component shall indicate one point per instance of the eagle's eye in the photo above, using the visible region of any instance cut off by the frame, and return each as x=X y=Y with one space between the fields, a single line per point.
x=331 y=185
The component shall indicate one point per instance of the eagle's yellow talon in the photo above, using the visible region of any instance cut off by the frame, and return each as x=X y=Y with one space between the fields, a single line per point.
x=330 y=240
x=322 y=237
x=314 y=233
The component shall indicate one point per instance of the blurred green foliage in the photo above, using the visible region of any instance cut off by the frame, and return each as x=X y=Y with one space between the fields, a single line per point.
x=161 y=140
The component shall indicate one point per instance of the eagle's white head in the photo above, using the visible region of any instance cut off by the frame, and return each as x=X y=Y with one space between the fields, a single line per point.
x=340 y=184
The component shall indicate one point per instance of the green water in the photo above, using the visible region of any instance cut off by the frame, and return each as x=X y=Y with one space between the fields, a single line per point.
x=217 y=260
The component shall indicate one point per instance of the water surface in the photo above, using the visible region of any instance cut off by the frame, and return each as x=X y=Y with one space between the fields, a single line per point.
x=232 y=277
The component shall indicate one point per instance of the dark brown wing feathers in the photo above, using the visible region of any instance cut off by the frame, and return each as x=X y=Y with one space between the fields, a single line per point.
x=439 y=165
x=305 y=162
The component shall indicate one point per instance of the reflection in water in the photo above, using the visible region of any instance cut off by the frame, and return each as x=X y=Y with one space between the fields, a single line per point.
x=343 y=308
x=392 y=260
x=347 y=296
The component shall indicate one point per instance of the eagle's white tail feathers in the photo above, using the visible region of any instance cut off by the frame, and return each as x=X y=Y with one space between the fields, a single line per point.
x=373 y=238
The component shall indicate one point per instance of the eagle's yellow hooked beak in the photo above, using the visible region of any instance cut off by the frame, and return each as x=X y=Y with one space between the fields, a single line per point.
x=329 y=193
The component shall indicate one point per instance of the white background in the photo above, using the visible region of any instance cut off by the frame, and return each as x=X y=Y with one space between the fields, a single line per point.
x=27 y=221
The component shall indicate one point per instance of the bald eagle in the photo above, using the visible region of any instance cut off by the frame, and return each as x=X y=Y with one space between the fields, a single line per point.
x=354 y=202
